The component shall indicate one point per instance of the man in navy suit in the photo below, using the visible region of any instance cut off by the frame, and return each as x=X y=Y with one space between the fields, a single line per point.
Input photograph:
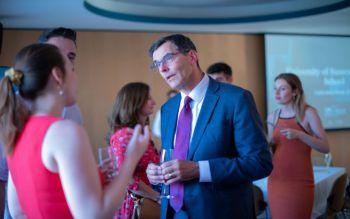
x=227 y=149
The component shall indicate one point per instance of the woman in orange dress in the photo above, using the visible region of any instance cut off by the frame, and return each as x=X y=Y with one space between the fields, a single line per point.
x=133 y=105
x=294 y=130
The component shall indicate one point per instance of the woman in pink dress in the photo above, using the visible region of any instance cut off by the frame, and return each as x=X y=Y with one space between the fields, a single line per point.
x=133 y=105
x=53 y=172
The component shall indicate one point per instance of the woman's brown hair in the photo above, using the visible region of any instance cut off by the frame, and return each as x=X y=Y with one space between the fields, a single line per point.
x=33 y=66
x=127 y=106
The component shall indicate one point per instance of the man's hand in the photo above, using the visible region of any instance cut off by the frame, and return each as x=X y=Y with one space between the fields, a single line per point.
x=179 y=170
x=154 y=174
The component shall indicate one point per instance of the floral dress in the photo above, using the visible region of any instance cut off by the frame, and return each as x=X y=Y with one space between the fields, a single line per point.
x=119 y=142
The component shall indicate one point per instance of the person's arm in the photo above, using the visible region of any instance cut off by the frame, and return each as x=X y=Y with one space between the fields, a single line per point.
x=270 y=127
x=122 y=138
x=271 y=124
x=119 y=141
x=242 y=145
x=154 y=174
x=67 y=150
x=148 y=190
x=3 y=179
x=12 y=200
x=317 y=139
x=252 y=158
x=180 y=170
x=2 y=196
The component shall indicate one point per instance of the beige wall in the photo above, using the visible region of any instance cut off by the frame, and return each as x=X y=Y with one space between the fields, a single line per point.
x=108 y=60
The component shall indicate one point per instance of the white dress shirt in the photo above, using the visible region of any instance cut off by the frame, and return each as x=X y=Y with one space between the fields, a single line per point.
x=197 y=95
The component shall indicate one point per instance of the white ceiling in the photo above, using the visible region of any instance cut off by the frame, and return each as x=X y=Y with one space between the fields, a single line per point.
x=43 y=14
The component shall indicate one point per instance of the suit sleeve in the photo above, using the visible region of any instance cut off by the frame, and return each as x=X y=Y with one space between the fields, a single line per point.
x=251 y=159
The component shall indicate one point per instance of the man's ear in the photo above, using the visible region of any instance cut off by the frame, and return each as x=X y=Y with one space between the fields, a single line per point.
x=57 y=75
x=194 y=56
x=230 y=79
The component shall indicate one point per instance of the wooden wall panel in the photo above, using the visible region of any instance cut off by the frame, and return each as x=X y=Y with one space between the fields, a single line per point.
x=108 y=60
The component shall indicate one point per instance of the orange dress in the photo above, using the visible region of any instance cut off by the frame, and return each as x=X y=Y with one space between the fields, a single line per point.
x=291 y=183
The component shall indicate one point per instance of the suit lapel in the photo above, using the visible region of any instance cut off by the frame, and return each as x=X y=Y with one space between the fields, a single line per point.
x=170 y=115
x=207 y=109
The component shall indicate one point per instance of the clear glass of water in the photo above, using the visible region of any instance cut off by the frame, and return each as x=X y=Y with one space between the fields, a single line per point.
x=165 y=155
x=108 y=160
x=328 y=159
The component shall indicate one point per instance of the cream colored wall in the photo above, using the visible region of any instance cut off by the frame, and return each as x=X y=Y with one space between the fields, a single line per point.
x=108 y=60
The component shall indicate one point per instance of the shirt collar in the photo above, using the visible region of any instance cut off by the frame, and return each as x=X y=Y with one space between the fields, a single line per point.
x=197 y=93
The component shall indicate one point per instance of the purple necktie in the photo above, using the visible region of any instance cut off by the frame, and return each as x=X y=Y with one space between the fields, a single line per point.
x=183 y=134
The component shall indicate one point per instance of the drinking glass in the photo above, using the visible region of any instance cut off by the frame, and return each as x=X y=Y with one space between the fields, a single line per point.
x=328 y=159
x=165 y=155
x=106 y=157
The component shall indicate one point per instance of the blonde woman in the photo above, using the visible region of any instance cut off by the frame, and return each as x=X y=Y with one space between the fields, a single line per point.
x=294 y=130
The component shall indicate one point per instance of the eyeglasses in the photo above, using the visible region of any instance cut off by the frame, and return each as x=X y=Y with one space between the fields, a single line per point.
x=169 y=57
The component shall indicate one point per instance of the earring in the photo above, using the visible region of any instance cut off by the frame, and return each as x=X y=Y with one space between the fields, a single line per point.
x=60 y=92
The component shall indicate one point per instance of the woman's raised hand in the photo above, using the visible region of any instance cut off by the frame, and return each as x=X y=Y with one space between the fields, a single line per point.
x=138 y=142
